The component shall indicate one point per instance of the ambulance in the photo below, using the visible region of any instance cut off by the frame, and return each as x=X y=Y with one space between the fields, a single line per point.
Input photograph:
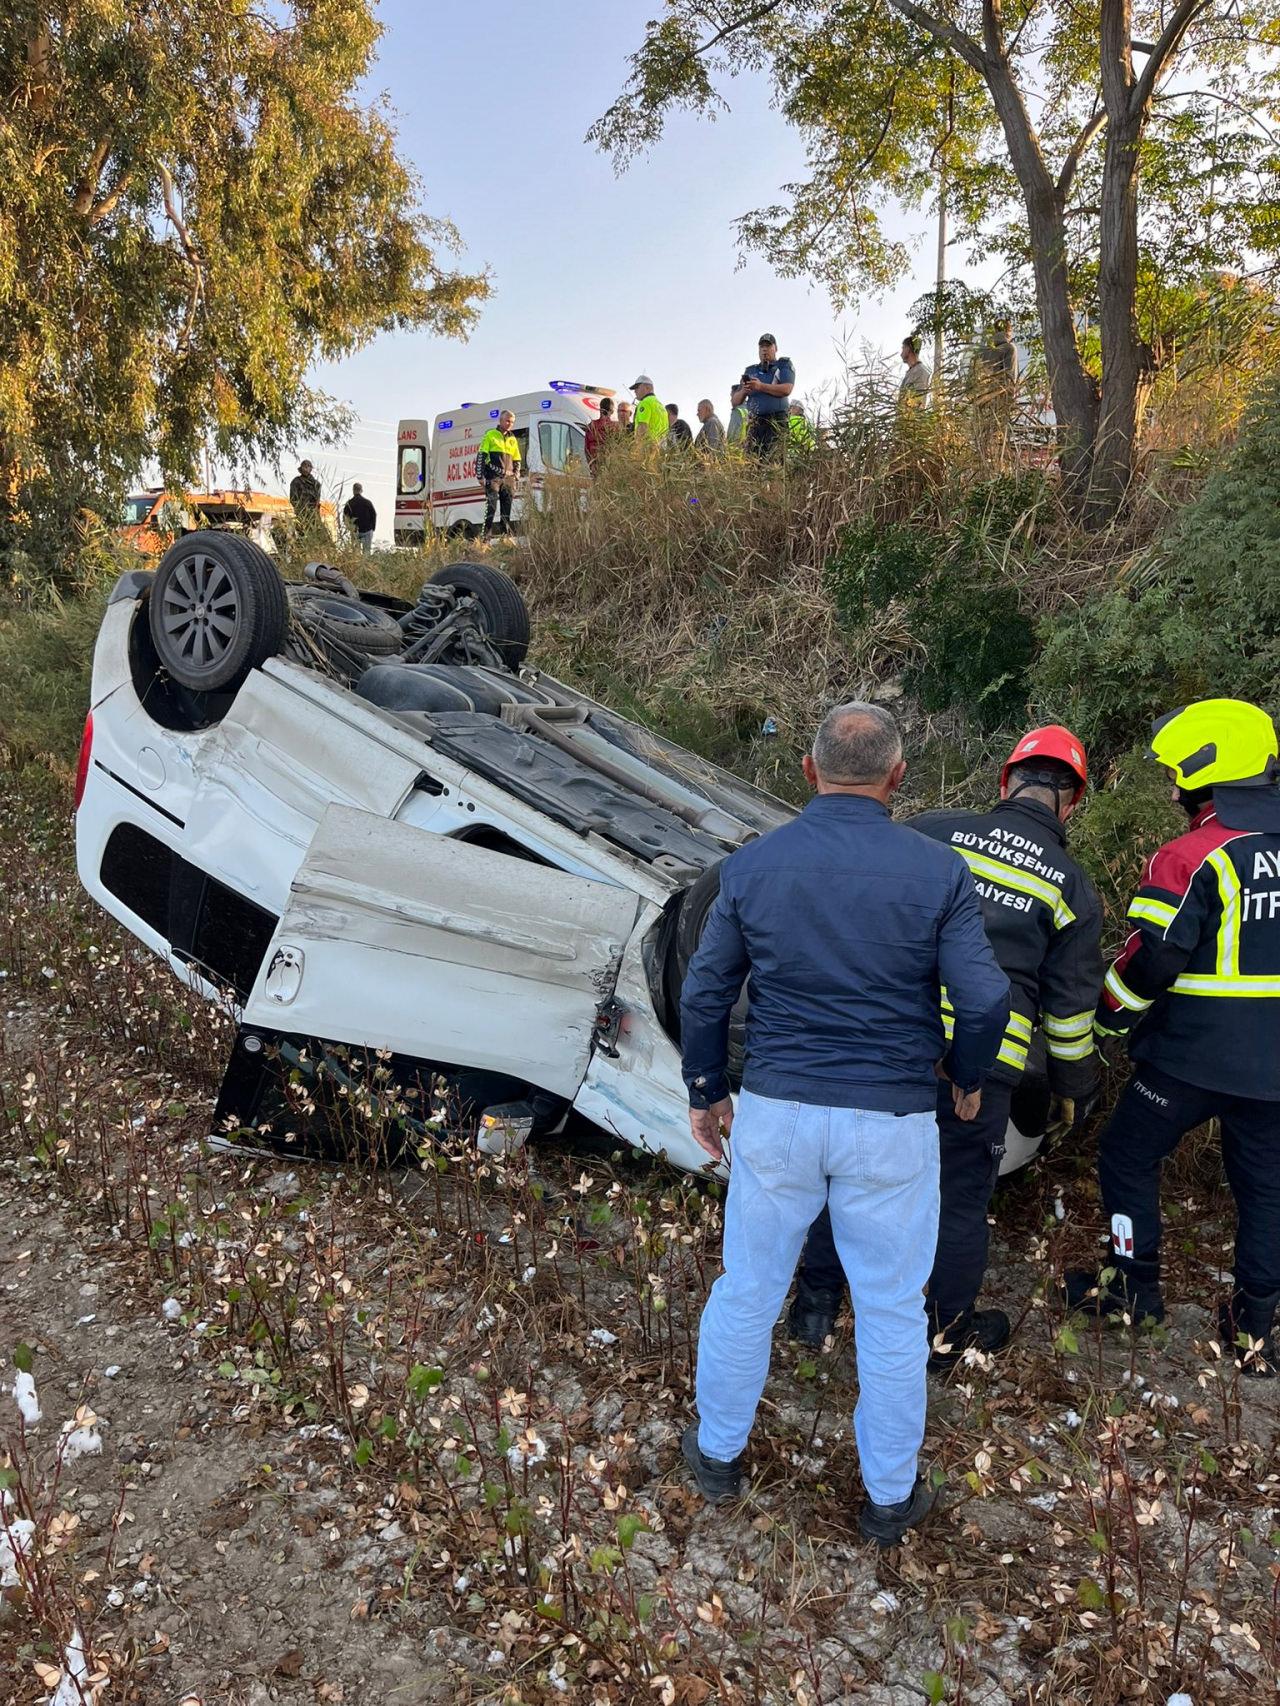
x=436 y=483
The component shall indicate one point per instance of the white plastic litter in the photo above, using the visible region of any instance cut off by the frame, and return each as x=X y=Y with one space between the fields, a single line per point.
x=1071 y=1418
x=171 y=1309
x=1179 y=1700
x=110 y=1372
x=885 y=1602
x=603 y=1336
x=15 y=1543
x=74 y=1670
x=24 y=1396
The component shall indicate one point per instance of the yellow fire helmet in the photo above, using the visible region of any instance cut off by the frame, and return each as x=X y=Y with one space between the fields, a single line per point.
x=1216 y=742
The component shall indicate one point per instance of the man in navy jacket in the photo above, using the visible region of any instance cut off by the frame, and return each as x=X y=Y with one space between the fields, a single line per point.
x=845 y=926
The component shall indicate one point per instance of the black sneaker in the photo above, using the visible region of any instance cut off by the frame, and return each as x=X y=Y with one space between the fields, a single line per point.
x=717 y=1481
x=1250 y=1319
x=886 y=1524
x=984 y=1329
x=1120 y=1295
x=812 y=1316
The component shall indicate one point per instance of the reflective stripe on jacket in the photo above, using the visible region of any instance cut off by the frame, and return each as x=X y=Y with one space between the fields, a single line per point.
x=499 y=455
x=1197 y=983
x=1044 y=921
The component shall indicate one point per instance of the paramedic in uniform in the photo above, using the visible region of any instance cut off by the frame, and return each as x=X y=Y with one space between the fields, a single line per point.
x=498 y=468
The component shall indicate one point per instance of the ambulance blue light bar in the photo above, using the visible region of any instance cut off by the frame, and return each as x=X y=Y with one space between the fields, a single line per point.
x=445 y=425
x=574 y=386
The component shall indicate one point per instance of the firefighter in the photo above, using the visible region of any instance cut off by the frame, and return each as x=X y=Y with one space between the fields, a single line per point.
x=1196 y=989
x=498 y=469
x=1044 y=921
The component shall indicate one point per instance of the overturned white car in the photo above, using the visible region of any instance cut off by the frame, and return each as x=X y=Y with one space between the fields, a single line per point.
x=370 y=828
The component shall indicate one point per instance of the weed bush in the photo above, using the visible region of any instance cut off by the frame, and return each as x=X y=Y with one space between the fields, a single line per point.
x=1197 y=616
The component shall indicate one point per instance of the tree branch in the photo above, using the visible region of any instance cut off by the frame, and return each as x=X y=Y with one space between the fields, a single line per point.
x=87 y=188
x=1075 y=153
x=190 y=251
x=1171 y=37
x=762 y=11
x=944 y=31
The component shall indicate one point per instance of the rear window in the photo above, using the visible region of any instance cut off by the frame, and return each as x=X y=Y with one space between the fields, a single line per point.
x=211 y=927
x=412 y=474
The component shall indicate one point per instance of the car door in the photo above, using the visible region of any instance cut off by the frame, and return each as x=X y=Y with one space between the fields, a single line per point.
x=396 y=938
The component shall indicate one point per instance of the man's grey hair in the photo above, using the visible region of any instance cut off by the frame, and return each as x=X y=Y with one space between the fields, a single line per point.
x=857 y=744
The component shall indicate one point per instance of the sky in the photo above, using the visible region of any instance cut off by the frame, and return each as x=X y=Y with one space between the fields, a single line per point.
x=595 y=277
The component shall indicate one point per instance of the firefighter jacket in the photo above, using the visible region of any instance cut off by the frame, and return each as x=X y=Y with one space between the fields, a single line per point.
x=1197 y=985
x=1044 y=921
x=498 y=457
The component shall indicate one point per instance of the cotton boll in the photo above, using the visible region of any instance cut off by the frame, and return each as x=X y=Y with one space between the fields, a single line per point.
x=74 y=1671
x=82 y=1442
x=24 y=1395
x=15 y=1543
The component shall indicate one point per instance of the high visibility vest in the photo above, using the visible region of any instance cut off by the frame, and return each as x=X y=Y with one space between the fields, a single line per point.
x=498 y=456
x=651 y=417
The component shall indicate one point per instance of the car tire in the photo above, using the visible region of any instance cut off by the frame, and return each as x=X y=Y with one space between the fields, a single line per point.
x=217 y=611
x=349 y=622
x=691 y=920
x=501 y=603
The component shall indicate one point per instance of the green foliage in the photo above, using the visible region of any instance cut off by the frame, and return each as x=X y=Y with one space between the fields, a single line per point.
x=1200 y=617
x=875 y=563
x=195 y=206
x=46 y=657
x=963 y=593
x=1126 y=815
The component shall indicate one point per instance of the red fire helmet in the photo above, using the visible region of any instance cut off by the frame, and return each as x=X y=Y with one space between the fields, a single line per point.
x=1053 y=741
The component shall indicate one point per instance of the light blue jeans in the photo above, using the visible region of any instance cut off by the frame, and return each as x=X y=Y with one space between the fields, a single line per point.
x=880 y=1174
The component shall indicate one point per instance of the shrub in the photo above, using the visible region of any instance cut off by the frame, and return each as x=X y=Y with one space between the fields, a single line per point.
x=1199 y=617
x=963 y=594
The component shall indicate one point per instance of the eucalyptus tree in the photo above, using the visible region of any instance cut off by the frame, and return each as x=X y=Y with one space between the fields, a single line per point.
x=196 y=204
x=1059 y=112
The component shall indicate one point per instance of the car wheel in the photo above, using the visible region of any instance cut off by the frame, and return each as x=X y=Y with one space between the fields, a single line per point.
x=216 y=611
x=502 y=607
x=348 y=622
x=691 y=920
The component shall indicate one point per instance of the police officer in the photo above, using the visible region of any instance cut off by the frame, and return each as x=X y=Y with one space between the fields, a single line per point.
x=651 y=424
x=498 y=469
x=1196 y=988
x=1044 y=921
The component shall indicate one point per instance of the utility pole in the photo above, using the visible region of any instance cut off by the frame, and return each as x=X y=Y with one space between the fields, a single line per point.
x=941 y=278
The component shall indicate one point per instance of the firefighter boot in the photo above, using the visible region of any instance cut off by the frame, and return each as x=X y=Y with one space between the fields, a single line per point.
x=985 y=1330
x=1245 y=1324
x=1133 y=1290
x=812 y=1316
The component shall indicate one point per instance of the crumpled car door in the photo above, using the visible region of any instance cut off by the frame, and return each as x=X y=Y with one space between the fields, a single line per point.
x=395 y=938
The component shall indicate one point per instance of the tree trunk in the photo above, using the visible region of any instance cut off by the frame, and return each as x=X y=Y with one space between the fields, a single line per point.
x=1075 y=403
x=1117 y=296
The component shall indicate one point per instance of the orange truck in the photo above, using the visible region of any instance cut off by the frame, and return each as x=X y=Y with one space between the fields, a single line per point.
x=152 y=520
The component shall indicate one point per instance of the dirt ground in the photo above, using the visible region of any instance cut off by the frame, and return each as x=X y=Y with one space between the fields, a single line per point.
x=412 y=1436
